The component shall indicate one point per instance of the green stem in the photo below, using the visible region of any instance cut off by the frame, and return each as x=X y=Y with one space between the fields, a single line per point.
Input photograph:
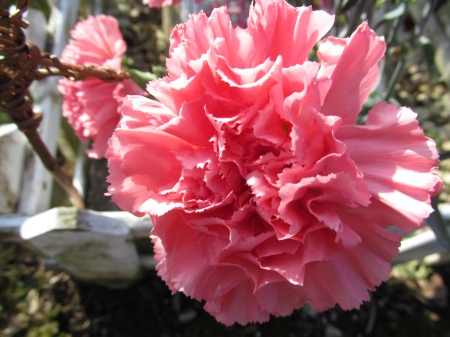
x=397 y=24
x=394 y=79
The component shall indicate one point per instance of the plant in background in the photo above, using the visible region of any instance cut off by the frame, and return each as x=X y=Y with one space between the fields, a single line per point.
x=263 y=191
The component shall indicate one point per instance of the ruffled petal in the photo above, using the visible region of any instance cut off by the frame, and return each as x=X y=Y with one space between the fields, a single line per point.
x=270 y=20
x=345 y=279
x=354 y=75
x=396 y=159
x=96 y=41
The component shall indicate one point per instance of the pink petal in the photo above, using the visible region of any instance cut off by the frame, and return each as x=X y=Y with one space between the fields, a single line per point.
x=235 y=45
x=198 y=133
x=182 y=255
x=173 y=93
x=329 y=53
x=238 y=305
x=300 y=78
x=268 y=125
x=138 y=111
x=354 y=75
x=270 y=20
x=250 y=85
x=188 y=43
x=345 y=279
x=161 y=166
x=318 y=246
x=126 y=194
x=279 y=299
x=96 y=41
x=396 y=159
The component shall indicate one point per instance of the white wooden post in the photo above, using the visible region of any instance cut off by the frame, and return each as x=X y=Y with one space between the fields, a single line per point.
x=37 y=32
x=38 y=182
x=188 y=7
x=13 y=146
x=419 y=246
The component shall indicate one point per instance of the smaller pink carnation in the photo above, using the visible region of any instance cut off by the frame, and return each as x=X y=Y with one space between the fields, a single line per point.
x=92 y=106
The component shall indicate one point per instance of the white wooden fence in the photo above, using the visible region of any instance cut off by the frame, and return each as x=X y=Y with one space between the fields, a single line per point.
x=92 y=246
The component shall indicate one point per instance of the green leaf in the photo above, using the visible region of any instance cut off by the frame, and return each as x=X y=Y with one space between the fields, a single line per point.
x=9 y=3
x=442 y=62
x=141 y=78
x=43 y=6
x=379 y=4
x=429 y=52
x=159 y=71
x=4 y=118
x=346 y=5
x=394 y=14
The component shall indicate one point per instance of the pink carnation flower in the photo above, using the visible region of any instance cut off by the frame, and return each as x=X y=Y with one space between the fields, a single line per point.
x=92 y=106
x=263 y=191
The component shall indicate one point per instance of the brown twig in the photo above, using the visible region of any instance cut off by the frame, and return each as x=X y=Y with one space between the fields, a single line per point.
x=52 y=66
x=21 y=62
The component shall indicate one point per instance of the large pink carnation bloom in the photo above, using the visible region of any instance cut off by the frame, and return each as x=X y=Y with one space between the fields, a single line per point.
x=263 y=191
x=92 y=106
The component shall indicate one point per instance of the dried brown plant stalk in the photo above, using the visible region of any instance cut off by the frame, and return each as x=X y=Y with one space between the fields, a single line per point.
x=21 y=62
